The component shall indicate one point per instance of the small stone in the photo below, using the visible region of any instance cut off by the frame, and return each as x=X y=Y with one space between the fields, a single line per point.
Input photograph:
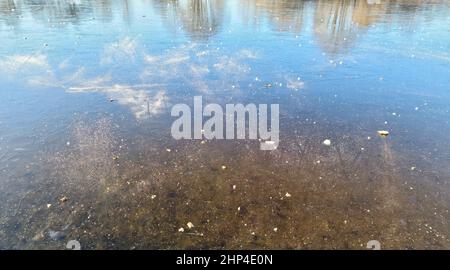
x=153 y=197
x=38 y=237
x=181 y=229
x=287 y=195
x=275 y=229
x=168 y=150
x=383 y=133
x=49 y=205
x=234 y=187
x=63 y=199
x=190 y=225
x=327 y=142
x=224 y=167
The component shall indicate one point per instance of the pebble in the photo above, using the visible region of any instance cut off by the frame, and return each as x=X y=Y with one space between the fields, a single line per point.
x=383 y=133
x=327 y=142
x=190 y=225
x=38 y=236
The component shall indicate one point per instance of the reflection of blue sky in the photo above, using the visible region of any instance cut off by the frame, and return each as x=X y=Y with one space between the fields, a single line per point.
x=141 y=55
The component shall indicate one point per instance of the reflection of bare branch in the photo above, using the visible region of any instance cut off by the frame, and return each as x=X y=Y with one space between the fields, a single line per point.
x=199 y=18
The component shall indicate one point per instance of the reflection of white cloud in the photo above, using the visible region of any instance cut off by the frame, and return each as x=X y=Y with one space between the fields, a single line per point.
x=246 y=53
x=294 y=83
x=64 y=64
x=77 y=75
x=139 y=101
x=198 y=70
x=93 y=83
x=150 y=58
x=33 y=69
x=201 y=53
x=135 y=97
x=176 y=59
x=230 y=65
x=116 y=52
x=197 y=67
x=15 y=63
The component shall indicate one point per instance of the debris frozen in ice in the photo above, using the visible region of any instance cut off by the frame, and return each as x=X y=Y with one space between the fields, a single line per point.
x=383 y=133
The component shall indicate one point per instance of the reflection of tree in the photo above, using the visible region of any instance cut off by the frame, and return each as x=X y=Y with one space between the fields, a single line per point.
x=199 y=18
x=333 y=26
x=283 y=15
x=10 y=12
x=53 y=12
x=338 y=23
x=57 y=12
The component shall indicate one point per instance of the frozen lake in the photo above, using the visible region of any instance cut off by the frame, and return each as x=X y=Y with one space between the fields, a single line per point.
x=86 y=153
